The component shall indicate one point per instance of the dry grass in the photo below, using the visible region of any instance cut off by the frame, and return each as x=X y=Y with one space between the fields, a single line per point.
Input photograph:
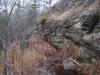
x=25 y=61
x=28 y=61
x=89 y=69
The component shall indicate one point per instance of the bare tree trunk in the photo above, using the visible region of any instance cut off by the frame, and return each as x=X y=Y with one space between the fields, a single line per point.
x=6 y=68
x=50 y=2
x=5 y=41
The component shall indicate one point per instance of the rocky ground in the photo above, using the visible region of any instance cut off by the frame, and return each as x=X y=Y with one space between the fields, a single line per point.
x=70 y=34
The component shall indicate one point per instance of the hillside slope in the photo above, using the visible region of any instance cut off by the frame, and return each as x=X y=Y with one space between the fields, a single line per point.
x=74 y=23
x=66 y=8
x=71 y=31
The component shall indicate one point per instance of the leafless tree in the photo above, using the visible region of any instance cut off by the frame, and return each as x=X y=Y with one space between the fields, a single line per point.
x=8 y=15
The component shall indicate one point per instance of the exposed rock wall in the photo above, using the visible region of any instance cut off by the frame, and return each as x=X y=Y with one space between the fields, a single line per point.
x=81 y=30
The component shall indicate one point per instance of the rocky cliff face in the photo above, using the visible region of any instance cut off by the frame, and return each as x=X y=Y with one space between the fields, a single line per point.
x=79 y=31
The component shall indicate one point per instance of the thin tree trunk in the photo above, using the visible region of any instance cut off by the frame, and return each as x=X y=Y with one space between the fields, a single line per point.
x=6 y=37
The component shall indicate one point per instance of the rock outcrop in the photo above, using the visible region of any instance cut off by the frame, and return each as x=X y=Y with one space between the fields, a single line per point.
x=73 y=30
x=79 y=31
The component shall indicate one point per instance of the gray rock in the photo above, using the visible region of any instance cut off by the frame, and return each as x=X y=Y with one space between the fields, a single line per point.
x=69 y=65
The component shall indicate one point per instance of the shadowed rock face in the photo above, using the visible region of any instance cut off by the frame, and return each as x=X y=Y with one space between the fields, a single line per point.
x=90 y=22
